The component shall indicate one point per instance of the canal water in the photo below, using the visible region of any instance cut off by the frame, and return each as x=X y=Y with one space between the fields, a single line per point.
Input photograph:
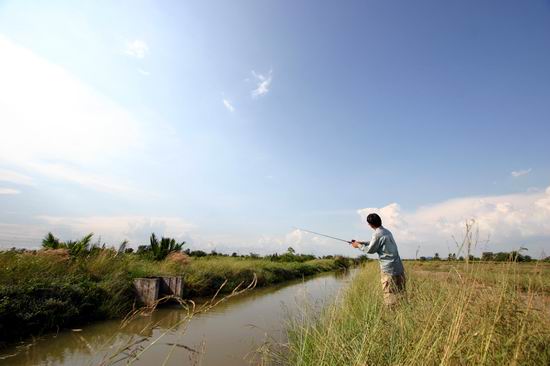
x=233 y=333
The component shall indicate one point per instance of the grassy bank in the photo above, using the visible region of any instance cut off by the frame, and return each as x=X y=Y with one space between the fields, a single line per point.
x=49 y=290
x=456 y=314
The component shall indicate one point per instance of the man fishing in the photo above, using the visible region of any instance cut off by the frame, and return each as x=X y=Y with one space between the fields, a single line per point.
x=391 y=268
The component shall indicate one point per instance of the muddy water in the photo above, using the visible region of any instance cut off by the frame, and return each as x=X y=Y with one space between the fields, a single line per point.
x=230 y=334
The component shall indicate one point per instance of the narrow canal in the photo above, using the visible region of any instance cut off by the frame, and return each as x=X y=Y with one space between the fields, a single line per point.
x=230 y=334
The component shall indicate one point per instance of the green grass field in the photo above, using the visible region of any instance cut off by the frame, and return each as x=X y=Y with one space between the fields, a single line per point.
x=455 y=314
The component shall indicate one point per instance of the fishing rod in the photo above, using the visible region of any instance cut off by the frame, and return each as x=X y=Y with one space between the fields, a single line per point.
x=326 y=236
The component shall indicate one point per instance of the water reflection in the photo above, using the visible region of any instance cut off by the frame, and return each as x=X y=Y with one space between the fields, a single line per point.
x=227 y=335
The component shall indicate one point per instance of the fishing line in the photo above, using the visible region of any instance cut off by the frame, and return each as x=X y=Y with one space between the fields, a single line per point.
x=326 y=236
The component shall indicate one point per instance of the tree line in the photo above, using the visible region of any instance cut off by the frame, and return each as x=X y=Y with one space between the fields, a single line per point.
x=513 y=256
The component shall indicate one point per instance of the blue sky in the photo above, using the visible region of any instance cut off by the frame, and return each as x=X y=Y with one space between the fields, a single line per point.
x=228 y=123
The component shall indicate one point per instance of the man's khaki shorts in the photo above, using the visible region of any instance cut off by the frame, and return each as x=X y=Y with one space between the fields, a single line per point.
x=393 y=288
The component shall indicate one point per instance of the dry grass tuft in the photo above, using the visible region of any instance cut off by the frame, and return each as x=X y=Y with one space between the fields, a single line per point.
x=178 y=258
x=56 y=254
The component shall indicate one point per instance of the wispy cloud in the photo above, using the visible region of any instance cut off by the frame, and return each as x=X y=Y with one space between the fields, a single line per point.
x=519 y=173
x=68 y=131
x=263 y=83
x=8 y=191
x=143 y=72
x=136 y=48
x=67 y=173
x=15 y=177
x=228 y=105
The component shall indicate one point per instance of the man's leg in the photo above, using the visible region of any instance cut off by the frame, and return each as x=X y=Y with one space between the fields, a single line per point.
x=393 y=288
x=389 y=298
x=400 y=282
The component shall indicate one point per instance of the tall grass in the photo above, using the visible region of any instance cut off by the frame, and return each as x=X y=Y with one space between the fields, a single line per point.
x=475 y=314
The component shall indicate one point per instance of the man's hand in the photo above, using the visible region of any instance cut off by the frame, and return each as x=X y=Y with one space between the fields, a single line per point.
x=354 y=243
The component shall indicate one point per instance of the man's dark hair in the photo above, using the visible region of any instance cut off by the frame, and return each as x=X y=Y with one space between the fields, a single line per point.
x=374 y=220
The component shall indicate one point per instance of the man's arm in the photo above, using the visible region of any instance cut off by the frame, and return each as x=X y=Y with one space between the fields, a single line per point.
x=358 y=244
x=370 y=247
x=373 y=245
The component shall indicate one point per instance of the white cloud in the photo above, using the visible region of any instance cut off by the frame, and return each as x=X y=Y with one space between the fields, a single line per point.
x=54 y=125
x=519 y=173
x=263 y=83
x=111 y=229
x=8 y=191
x=508 y=221
x=15 y=177
x=228 y=105
x=136 y=48
x=143 y=72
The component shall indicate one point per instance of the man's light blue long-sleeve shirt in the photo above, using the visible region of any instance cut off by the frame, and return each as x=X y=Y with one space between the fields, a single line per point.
x=383 y=244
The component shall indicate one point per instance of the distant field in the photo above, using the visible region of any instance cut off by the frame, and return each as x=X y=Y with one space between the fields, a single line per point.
x=456 y=314
x=532 y=275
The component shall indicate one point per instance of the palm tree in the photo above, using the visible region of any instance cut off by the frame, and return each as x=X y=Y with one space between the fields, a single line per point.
x=161 y=249
x=74 y=247
x=80 y=246
x=51 y=242
x=122 y=247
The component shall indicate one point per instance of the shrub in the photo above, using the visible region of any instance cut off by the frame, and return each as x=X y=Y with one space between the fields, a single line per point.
x=33 y=308
x=342 y=262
